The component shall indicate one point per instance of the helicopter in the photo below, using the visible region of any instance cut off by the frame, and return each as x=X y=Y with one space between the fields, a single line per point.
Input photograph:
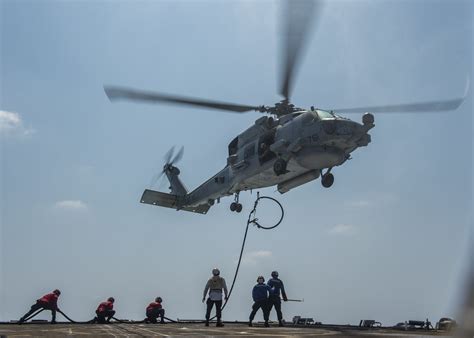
x=290 y=147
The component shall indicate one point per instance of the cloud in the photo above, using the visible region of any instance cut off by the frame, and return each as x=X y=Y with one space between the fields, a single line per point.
x=360 y=204
x=71 y=205
x=342 y=229
x=252 y=257
x=375 y=200
x=11 y=123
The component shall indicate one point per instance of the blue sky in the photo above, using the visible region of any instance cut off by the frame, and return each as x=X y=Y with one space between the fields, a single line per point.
x=385 y=242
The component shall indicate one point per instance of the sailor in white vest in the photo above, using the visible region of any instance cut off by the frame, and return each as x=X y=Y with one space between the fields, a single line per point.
x=214 y=286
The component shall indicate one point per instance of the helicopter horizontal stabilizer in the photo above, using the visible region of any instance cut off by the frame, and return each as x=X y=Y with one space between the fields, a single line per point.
x=170 y=201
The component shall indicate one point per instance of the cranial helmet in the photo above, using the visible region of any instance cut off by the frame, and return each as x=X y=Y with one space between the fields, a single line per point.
x=260 y=278
x=216 y=272
x=111 y=299
x=275 y=274
x=158 y=299
x=57 y=292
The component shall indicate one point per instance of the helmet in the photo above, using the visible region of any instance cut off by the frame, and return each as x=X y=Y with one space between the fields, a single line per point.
x=260 y=278
x=158 y=299
x=275 y=274
x=111 y=299
x=57 y=292
x=216 y=272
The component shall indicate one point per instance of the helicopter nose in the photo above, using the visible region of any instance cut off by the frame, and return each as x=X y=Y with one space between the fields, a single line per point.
x=340 y=127
x=329 y=126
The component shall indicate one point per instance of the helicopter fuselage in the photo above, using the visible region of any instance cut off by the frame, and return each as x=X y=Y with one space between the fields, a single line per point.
x=307 y=141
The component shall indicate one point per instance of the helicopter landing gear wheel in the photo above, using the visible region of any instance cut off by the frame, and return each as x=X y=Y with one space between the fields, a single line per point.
x=327 y=180
x=239 y=207
x=235 y=207
x=279 y=167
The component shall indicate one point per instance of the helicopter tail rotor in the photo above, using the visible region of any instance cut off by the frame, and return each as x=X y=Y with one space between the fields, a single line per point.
x=168 y=166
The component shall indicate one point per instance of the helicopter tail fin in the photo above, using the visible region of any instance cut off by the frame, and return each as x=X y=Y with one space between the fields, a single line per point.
x=170 y=201
x=176 y=186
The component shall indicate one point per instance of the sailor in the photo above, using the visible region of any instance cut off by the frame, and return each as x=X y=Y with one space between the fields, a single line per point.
x=47 y=302
x=214 y=285
x=155 y=310
x=276 y=286
x=260 y=294
x=105 y=311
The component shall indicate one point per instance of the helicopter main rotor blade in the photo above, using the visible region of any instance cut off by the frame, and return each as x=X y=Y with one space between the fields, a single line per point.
x=298 y=19
x=421 y=107
x=115 y=93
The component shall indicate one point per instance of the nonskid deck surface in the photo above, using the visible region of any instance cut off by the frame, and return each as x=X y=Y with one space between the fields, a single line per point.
x=198 y=329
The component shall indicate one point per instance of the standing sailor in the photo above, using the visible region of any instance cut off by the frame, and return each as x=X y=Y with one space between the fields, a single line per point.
x=276 y=285
x=214 y=285
x=260 y=294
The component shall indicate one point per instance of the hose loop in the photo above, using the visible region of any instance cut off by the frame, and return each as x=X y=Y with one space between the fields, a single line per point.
x=254 y=212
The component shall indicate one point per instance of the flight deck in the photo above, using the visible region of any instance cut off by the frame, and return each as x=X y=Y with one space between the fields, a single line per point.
x=234 y=329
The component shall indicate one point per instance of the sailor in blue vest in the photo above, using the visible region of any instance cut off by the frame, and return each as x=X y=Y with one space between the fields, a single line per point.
x=276 y=286
x=260 y=294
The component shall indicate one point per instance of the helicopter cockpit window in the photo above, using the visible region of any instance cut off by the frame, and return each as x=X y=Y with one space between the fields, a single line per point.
x=233 y=146
x=325 y=115
x=308 y=118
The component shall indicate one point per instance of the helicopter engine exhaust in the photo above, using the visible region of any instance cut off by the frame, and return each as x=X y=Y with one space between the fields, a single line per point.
x=297 y=181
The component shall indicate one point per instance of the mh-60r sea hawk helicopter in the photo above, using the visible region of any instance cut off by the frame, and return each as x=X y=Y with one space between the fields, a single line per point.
x=292 y=147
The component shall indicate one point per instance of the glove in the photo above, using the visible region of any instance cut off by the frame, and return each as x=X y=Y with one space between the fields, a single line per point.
x=226 y=298
x=285 y=299
x=203 y=299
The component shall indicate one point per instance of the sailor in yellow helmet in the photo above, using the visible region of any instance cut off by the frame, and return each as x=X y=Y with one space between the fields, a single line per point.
x=214 y=286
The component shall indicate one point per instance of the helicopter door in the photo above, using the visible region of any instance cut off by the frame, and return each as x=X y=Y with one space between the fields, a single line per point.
x=264 y=143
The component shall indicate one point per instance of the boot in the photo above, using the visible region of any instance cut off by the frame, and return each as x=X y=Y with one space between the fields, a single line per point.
x=219 y=323
x=250 y=323
x=266 y=324
x=207 y=322
x=280 y=323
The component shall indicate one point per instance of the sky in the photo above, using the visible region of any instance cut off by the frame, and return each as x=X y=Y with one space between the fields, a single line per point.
x=388 y=241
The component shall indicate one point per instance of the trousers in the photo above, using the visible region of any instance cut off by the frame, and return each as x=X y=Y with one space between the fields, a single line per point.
x=153 y=314
x=210 y=303
x=104 y=316
x=260 y=304
x=40 y=305
x=275 y=301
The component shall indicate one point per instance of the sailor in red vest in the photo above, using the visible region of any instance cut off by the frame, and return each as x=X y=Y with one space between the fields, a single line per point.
x=105 y=311
x=47 y=302
x=155 y=310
